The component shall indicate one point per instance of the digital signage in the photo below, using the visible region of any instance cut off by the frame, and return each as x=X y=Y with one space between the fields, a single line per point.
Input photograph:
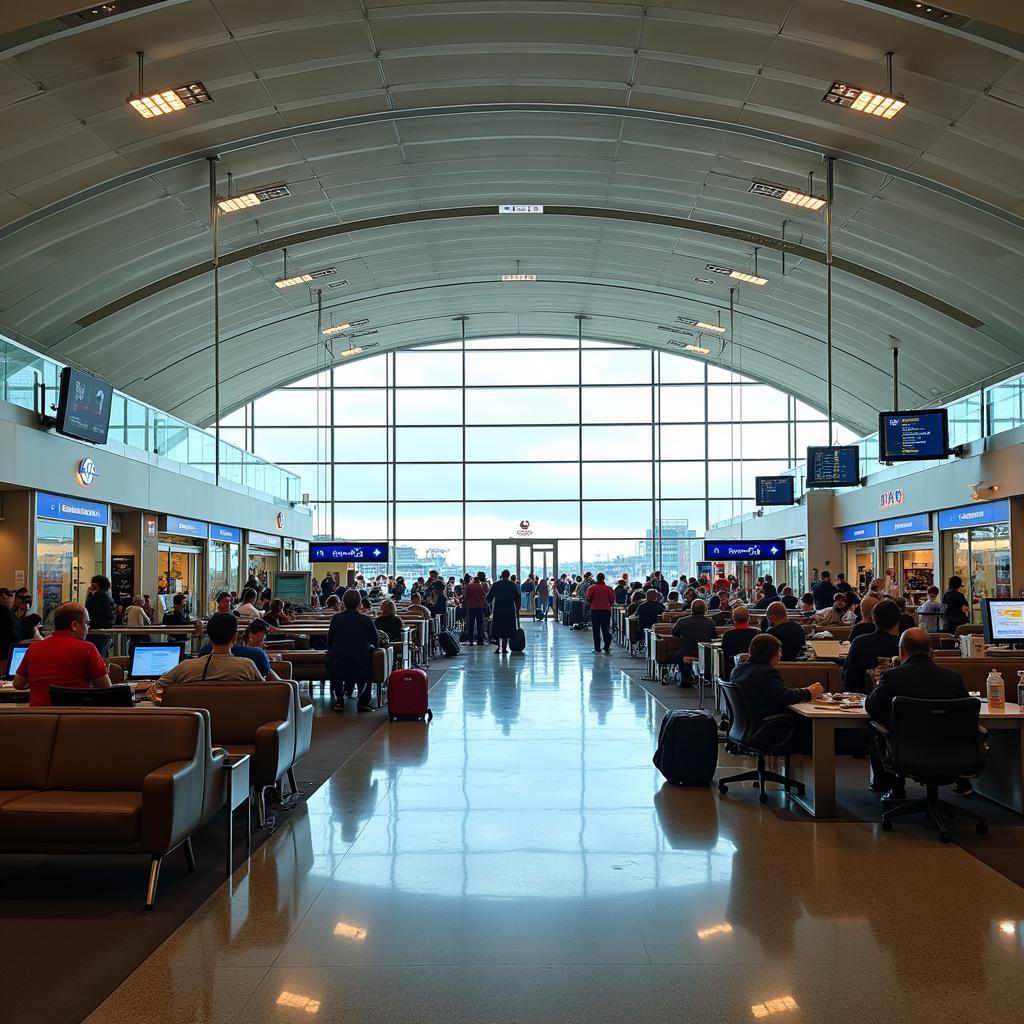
x=83 y=408
x=833 y=466
x=774 y=490
x=913 y=436
x=744 y=550
x=348 y=551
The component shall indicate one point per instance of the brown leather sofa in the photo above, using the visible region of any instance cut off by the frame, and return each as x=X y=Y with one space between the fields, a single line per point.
x=106 y=780
x=258 y=719
x=798 y=674
x=311 y=667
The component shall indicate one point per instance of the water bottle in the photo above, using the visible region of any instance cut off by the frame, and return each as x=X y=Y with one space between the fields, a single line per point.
x=996 y=692
x=1020 y=688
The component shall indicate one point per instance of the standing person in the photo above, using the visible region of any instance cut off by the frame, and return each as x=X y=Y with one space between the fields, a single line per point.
x=954 y=605
x=474 y=599
x=351 y=641
x=28 y=621
x=327 y=586
x=527 y=589
x=841 y=585
x=601 y=597
x=135 y=615
x=824 y=592
x=102 y=612
x=930 y=613
x=541 y=599
x=504 y=601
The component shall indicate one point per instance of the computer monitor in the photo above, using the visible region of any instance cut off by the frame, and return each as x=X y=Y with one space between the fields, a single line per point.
x=151 y=661
x=17 y=653
x=1002 y=619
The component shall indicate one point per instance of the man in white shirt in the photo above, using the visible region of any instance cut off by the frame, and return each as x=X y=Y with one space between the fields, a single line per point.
x=134 y=615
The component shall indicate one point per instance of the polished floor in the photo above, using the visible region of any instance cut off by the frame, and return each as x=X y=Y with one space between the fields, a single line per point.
x=521 y=860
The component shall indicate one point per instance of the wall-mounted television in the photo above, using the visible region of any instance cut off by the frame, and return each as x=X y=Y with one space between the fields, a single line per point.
x=774 y=490
x=83 y=408
x=913 y=436
x=833 y=466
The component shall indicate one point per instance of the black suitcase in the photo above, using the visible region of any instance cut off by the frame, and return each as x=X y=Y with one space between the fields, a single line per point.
x=517 y=641
x=687 y=753
x=449 y=642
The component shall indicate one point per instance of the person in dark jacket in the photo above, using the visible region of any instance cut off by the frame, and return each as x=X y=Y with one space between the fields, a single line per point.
x=503 y=598
x=178 y=615
x=789 y=634
x=389 y=622
x=736 y=640
x=351 y=641
x=917 y=676
x=650 y=610
x=824 y=592
x=863 y=653
x=763 y=687
x=692 y=629
x=768 y=589
x=789 y=599
x=102 y=612
x=955 y=610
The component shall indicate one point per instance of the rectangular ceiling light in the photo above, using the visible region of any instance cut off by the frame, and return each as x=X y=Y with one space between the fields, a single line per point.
x=697 y=348
x=879 y=104
x=704 y=280
x=520 y=208
x=167 y=101
x=739 y=275
x=519 y=277
x=230 y=204
x=787 y=195
x=702 y=325
x=313 y=275
x=354 y=351
x=336 y=329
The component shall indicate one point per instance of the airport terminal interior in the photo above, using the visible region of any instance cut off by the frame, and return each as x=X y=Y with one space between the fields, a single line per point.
x=511 y=513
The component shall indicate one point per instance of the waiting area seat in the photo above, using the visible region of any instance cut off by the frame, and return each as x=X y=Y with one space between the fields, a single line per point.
x=120 y=695
x=800 y=674
x=154 y=789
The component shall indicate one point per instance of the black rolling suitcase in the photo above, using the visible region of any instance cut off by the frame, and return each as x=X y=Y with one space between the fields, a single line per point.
x=687 y=753
x=517 y=641
x=449 y=642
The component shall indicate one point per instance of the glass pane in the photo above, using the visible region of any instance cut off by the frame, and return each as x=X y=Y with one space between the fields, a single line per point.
x=682 y=404
x=429 y=519
x=682 y=479
x=429 y=444
x=494 y=482
x=503 y=519
x=360 y=521
x=686 y=518
x=362 y=373
x=503 y=368
x=428 y=406
x=290 y=444
x=313 y=479
x=680 y=370
x=541 y=405
x=441 y=483
x=286 y=408
x=430 y=369
x=355 y=482
x=617 y=405
x=366 y=408
x=617 y=518
x=617 y=366
x=682 y=442
x=360 y=444
x=617 y=480
x=607 y=443
x=521 y=444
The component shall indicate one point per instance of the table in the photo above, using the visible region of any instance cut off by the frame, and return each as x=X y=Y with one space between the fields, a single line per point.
x=709 y=668
x=9 y=695
x=1002 y=781
x=122 y=633
x=236 y=792
x=829 y=650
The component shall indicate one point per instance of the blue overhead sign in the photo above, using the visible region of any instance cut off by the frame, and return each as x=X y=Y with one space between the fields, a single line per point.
x=348 y=551
x=71 y=510
x=744 y=550
x=863 y=531
x=974 y=515
x=228 y=534
x=184 y=527
x=905 y=524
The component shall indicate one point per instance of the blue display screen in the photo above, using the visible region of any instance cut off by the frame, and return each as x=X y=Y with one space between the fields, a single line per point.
x=833 y=466
x=744 y=550
x=774 y=490
x=912 y=436
x=348 y=551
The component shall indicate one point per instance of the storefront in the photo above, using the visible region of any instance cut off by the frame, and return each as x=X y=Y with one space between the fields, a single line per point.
x=71 y=546
x=262 y=557
x=908 y=555
x=224 y=562
x=796 y=573
x=860 y=554
x=976 y=547
x=181 y=562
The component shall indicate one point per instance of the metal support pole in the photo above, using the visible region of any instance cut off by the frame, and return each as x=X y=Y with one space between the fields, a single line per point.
x=215 y=221
x=895 y=374
x=829 y=196
x=580 y=317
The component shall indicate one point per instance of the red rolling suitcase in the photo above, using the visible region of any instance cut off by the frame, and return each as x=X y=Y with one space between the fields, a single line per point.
x=407 y=695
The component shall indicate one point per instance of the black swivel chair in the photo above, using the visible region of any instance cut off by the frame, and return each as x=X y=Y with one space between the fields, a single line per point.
x=117 y=696
x=735 y=641
x=774 y=736
x=934 y=742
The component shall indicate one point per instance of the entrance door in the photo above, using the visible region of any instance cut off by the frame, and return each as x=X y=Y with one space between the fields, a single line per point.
x=179 y=574
x=523 y=557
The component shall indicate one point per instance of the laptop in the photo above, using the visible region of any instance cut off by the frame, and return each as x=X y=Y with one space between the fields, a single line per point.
x=151 y=661
x=17 y=653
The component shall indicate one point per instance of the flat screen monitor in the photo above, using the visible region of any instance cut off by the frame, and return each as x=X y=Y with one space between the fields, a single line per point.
x=913 y=436
x=744 y=550
x=17 y=653
x=348 y=551
x=774 y=490
x=151 y=661
x=833 y=466
x=83 y=409
x=1002 y=619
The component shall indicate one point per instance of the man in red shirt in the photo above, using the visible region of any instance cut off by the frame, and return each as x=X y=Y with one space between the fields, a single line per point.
x=62 y=659
x=601 y=597
x=474 y=600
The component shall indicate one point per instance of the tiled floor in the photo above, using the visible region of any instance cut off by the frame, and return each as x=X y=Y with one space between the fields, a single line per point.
x=521 y=860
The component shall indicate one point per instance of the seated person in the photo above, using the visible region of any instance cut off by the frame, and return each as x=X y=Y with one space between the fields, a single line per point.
x=436 y=600
x=917 y=676
x=907 y=621
x=416 y=610
x=365 y=607
x=834 y=616
x=864 y=652
x=788 y=598
x=866 y=623
x=763 y=687
x=246 y=606
x=135 y=614
x=64 y=658
x=806 y=605
x=388 y=621
x=178 y=615
x=333 y=604
x=673 y=604
x=790 y=634
x=217 y=666
x=648 y=613
x=27 y=619
x=693 y=629
x=738 y=639
x=277 y=615
x=930 y=613
x=622 y=592
x=253 y=647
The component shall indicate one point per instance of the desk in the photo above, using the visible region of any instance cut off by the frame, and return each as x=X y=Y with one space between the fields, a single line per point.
x=1002 y=780
x=9 y=695
x=121 y=634
x=829 y=650
x=236 y=793
x=709 y=668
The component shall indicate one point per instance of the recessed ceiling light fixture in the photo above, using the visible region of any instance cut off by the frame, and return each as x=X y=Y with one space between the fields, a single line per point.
x=697 y=348
x=166 y=101
x=284 y=281
x=702 y=325
x=336 y=329
x=704 y=280
x=787 y=195
x=885 y=105
x=231 y=204
x=739 y=275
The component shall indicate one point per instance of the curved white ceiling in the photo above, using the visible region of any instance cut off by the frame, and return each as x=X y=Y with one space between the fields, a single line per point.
x=400 y=127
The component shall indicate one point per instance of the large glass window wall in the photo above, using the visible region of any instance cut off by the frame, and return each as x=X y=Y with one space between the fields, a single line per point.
x=620 y=454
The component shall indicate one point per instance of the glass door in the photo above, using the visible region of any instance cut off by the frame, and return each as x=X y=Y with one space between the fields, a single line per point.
x=55 y=559
x=981 y=558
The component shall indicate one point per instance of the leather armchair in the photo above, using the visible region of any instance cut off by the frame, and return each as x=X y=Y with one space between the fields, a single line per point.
x=303 y=714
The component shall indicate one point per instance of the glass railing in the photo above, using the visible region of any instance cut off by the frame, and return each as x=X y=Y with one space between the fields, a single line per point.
x=980 y=414
x=138 y=425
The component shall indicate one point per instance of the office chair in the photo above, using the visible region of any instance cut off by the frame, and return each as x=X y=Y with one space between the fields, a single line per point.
x=117 y=696
x=773 y=736
x=934 y=742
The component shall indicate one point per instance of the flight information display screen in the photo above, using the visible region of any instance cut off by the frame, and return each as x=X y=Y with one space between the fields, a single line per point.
x=833 y=466
x=348 y=551
x=912 y=436
x=83 y=409
x=774 y=490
